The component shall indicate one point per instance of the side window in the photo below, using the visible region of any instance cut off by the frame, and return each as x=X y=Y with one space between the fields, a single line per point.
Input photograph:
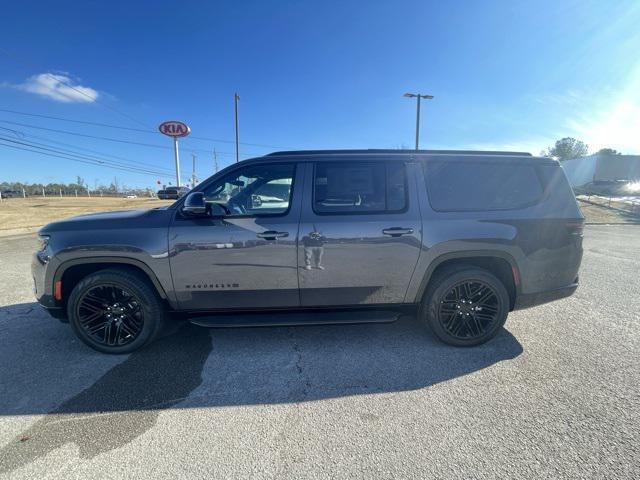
x=255 y=190
x=474 y=186
x=359 y=187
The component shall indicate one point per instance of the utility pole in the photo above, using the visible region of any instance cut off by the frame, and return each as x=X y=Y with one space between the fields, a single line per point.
x=215 y=161
x=193 y=170
x=419 y=97
x=236 y=97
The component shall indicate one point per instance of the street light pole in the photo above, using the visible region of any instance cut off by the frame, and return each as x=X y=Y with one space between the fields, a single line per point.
x=236 y=97
x=419 y=97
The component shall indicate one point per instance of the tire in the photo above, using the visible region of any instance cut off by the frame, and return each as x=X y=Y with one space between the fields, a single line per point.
x=125 y=302
x=456 y=315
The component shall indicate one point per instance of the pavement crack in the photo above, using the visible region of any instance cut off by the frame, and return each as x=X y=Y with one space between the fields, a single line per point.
x=302 y=379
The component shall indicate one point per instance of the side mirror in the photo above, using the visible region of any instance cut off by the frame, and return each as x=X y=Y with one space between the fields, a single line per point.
x=195 y=204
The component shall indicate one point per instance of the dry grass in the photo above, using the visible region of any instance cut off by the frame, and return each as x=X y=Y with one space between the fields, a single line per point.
x=33 y=212
x=602 y=214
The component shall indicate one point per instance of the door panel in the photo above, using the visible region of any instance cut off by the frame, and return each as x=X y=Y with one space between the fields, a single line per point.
x=248 y=260
x=355 y=259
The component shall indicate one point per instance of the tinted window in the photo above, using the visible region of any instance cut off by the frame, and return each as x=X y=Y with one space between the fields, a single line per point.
x=254 y=190
x=359 y=187
x=481 y=185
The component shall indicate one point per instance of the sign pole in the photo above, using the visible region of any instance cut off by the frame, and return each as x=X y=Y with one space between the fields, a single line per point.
x=177 y=157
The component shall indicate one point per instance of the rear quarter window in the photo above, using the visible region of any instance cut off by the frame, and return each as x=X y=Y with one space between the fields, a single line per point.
x=477 y=185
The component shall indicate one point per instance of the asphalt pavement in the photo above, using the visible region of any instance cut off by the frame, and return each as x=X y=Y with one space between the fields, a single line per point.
x=555 y=395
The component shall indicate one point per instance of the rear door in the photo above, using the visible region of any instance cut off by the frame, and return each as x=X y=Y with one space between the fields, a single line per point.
x=360 y=233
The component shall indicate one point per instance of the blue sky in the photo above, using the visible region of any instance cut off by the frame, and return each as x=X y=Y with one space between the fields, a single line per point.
x=316 y=74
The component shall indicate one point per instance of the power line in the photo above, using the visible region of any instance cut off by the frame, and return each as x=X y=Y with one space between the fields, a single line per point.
x=130 y=142
x=57 y=78
x=81 y=159
x=97 y=124
x=66 y=158
x=78 y=158
x=95 y=151
x=100 y=160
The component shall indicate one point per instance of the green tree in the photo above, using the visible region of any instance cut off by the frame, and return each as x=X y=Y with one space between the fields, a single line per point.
x=567 y=148
x=609 y=151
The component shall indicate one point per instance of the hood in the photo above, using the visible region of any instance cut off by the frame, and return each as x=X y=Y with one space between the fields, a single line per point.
x=121 y=219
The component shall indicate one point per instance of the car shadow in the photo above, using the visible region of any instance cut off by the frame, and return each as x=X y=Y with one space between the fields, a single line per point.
x=101 y=402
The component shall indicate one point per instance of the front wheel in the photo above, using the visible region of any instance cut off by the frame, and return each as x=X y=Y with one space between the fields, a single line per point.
x=465 y=306
x=115 y=311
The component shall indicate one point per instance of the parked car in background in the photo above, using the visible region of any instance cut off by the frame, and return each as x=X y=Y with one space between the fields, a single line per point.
x=172 y=193
x=461 y=238
x=130 y=195
x=11 y=194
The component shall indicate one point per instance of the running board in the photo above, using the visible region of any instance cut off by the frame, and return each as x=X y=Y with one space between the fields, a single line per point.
x=285 y=319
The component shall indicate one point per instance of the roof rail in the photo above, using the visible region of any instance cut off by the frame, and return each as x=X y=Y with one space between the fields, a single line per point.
x=292 y=153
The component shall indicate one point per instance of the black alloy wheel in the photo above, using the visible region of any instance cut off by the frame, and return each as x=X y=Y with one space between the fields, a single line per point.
x=465 y=305
x=116 y=310
x=110 y=315
x=469 y=309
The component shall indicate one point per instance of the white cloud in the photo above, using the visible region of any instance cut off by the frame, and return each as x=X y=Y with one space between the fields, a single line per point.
x=60 y=88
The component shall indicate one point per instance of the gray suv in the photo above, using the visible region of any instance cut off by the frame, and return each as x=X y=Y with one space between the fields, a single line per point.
x=460 y=238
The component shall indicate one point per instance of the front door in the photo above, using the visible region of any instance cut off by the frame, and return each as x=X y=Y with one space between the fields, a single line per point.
x=246 y=257
x=360 y=233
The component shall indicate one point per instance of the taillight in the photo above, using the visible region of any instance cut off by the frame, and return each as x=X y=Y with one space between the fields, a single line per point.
x=575 y=228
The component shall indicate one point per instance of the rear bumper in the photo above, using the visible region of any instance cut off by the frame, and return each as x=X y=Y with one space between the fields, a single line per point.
x=532 y=299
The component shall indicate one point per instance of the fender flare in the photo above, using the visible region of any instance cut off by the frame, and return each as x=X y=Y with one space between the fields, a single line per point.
x=64 y=266
x=439 y=260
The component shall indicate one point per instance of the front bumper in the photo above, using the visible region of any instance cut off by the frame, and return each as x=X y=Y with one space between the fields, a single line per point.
x=42 y=273
x=43 y=280
x=528 y=300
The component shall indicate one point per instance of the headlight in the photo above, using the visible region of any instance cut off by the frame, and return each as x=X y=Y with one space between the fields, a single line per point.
x=43 y=242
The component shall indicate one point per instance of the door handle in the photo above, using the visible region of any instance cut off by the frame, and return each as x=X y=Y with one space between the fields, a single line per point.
x=272 y=235
x=397 y=231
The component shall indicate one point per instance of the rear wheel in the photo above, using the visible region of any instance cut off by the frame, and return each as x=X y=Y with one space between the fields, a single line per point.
x=465 y=306
x=115 y=311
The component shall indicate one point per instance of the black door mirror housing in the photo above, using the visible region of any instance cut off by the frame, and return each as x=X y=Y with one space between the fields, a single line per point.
x=195 y=205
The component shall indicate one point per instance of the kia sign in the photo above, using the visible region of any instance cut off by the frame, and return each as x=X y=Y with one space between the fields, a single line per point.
x=174 y=129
